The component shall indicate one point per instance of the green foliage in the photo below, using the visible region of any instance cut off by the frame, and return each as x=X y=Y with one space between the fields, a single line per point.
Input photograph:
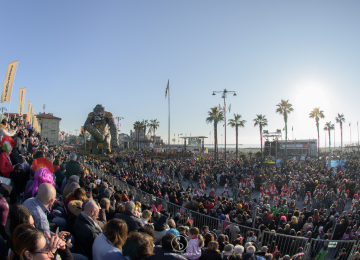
x=258 y=154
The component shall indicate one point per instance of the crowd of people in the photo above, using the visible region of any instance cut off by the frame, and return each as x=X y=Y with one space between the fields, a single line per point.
x=57 y=205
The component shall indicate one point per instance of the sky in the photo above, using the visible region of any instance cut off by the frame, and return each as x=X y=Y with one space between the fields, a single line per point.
x=74 y=55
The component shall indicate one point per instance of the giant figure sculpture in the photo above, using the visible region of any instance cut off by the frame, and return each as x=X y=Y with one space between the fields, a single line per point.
x=98 y=124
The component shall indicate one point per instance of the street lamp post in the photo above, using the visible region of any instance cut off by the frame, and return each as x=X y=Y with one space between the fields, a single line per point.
x=118 y=119
x=224 y=96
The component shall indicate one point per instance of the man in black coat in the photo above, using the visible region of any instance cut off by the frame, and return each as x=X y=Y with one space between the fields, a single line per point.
x=73 y=167
x=133 y=222
x=86 y=228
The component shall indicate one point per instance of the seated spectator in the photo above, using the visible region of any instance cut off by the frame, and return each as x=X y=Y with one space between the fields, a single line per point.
x=208 y=237
x=43 y=175
x=29 y=243
x=250 y=254
x=138 y=246
x=211 y=252
x=86 y=229
x=172 y=226
x=262 y=252
x=39 y=207
x=113 y=238
x=183 y=238
x=168 y=249
x=105 y=205
x=4 y=211
x=120 y=208
x=238 y=249
x=235 y=256
x=6 y=167
x=160 y=228
x=80 y=195
x=222 y=242
x=60 y=175
x=145 y=217
x=67 y=189
x=228 y=250
x=19 y=214
x=133 y=222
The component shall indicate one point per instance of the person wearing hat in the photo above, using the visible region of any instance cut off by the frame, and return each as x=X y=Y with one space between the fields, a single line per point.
x=160 y=228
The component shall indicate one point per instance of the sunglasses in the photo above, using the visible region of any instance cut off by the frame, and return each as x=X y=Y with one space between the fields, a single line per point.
x=45 y=251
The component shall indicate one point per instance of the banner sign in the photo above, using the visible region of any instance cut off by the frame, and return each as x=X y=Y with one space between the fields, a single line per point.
x=28 y=105
x=21 y=101
x=9 y=80
x=31 y=115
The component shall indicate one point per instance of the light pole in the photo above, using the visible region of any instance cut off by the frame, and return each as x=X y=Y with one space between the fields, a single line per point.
x=224 y=96
x=76 y=131
x=118 y=119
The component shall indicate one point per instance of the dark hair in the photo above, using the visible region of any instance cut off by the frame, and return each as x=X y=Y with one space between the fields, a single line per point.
x=235 y=257
x=39 y=154
x=25 y=238
x=18 y=215
x=138 y=246
x=148 y=229
x=116 y=232
x=169 y=242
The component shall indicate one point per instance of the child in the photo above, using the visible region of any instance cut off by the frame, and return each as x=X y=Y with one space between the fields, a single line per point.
x=193 y=250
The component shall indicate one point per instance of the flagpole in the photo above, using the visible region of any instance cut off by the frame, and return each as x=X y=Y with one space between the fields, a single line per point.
x=169 y=118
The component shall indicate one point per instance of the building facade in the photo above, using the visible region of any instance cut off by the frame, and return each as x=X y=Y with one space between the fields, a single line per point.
x=50 y=127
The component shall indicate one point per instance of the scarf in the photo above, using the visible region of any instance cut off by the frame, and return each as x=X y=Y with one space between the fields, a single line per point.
x=91 y=221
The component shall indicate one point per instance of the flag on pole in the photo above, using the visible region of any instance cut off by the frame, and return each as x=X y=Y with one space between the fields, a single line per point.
x=229 y=108
x=167 y=89
x=44 y=106
x=21 y=101
x=181 y=134
x=9 y=80
x=28 y=105
x=218 y=108
x=292 y=128
x=350 y=124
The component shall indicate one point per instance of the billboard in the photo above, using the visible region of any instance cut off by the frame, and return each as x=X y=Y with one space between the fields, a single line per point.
x=194 y=142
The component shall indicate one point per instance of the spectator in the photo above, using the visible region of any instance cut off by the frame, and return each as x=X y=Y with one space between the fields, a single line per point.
x=235 y=257
x=67 y=188
x=183 y=237
x=222 y=242
x=294 y=223
x=4 y=211
x=30 y=244
x=133 y=222
x=74 y=187
x=145 y=217
x=308 y=225
x=105 y=205
x=228 y=250
x=193 y=250
x=86 y=229
x=211 y=252
x=113 y=238
x=73 y=167
x=43 y=175
x=168 y=249
x=39 y=207
x=7 y=145
x=262 y=252
x=208 y=238
x=160 y=228
x=138 y=246
x=268 y=256
x=322 y=254
x=238 y=249
x=172 y=226
x=60 y=175
x=250 y=251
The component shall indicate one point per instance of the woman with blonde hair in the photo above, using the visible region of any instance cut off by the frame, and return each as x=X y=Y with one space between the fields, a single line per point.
x=105 y=204
x=294 y=223
x=211 y=252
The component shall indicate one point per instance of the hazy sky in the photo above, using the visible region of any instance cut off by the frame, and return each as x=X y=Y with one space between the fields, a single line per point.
x=76 y=54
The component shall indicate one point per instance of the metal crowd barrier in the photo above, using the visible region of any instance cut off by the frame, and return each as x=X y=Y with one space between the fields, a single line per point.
x=287 y=245
x=334 y=248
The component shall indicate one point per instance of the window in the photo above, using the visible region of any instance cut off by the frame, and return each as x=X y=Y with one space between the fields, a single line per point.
x=53 y=126
x=52 y=136
x=45 y=125
x=45 y=135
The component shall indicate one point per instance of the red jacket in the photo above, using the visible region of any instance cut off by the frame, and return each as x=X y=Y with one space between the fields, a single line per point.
x=5 y=165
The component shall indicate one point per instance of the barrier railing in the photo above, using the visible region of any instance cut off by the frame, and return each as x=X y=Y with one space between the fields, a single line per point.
x=286 y=244
x=335 y=248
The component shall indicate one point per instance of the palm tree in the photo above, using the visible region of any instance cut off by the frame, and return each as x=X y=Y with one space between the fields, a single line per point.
x=328 y=127
x=154 y=124
x=173 y=140
x=260 y=121
x=215 y=117
x=138 y=126
x=340 y=119
x=317 y=114
x=236 y=122
x=145 y=124
x=284 y=108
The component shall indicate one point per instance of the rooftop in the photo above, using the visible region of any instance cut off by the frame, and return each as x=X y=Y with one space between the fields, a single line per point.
x=48 y=116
